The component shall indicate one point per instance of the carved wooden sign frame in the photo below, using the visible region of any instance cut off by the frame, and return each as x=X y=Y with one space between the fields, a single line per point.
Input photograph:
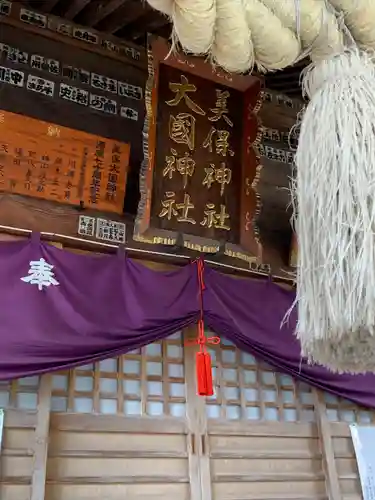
x=245 y=243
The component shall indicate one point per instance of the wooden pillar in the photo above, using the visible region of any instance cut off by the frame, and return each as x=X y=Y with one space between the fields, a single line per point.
x=325 y=439
x=38 y=480
x=198 y=446
x=1 y=427
x=39 y=471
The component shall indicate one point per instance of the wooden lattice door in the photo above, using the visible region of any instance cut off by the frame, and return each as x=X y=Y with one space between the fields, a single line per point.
x=118 y=429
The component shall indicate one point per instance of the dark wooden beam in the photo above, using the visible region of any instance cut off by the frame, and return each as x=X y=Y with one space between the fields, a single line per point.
x=77 y=44
x=149 y=23
x=165 y=31
x=75 y=8
x=48 y=5
x=98 y=10
x=46 y=217
x=128 y=13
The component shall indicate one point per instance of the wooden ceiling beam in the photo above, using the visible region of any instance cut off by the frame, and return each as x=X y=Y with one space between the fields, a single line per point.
x=98 y=10
x=153 y=21
x=120 y=18
x=75 y=8
x=48 y=5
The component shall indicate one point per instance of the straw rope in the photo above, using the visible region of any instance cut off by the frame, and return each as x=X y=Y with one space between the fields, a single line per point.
x=271 y=34
x=334 y=185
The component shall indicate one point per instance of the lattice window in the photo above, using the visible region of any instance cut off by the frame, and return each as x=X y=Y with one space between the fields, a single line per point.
x=149 y=381
x=247 y=389
x=21 y=394
x=341 y=410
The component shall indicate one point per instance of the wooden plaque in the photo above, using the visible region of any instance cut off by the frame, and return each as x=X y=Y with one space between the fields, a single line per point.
x=56 y=163
x=200 y=168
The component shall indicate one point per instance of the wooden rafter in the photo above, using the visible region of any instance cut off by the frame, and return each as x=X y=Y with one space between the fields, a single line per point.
x=128 y=13
x=75 y=8
x=48 y=5
x=152 y=20
x=100 y=9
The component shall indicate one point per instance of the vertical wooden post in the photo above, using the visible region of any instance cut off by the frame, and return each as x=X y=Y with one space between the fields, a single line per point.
x=39 y=471
x=1 y=427
x=325 y=439
x=38 y=481
x=199 y=459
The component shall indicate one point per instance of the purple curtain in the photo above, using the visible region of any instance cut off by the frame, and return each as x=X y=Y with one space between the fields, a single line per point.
x=103 y=306
x=89 y=307
x=250 y=314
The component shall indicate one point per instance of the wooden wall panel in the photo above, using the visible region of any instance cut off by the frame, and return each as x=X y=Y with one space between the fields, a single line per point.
x=265 y=461
x=17 y=455
x=263 y=439
x=345 y=461
x=98 y=457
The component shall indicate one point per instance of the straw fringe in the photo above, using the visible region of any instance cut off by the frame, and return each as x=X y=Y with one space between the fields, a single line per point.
x=334 y=196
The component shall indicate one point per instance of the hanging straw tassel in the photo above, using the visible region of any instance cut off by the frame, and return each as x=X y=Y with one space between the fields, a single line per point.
x=335 y=202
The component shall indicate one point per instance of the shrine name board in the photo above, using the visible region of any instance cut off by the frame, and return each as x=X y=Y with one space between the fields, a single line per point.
x=56 y=163
x=198 y=157
x=201 y=168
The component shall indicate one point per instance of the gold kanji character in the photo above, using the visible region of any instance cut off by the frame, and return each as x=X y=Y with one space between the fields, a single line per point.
x=221 y=107
x=210 y=176
x=221 y=219
x=223 y=175
x=185 y=207
x=170 y=164
x=169 y=209
x=182 y=129
x=207 y=143
x=212 y=219
x=209 y=216
x=221 y=142
x=181 y=90
x=222 y=145
x=184 y=166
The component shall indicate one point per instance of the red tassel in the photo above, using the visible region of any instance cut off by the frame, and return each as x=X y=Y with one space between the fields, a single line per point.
x=204 y=374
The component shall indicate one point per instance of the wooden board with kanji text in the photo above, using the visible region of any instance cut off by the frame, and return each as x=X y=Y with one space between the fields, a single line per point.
x=201 y=168
x=56 y=163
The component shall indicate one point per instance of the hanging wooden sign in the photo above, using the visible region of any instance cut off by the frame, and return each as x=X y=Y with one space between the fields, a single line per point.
x=80 y=89
x=200 y=169
x=56 y=163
